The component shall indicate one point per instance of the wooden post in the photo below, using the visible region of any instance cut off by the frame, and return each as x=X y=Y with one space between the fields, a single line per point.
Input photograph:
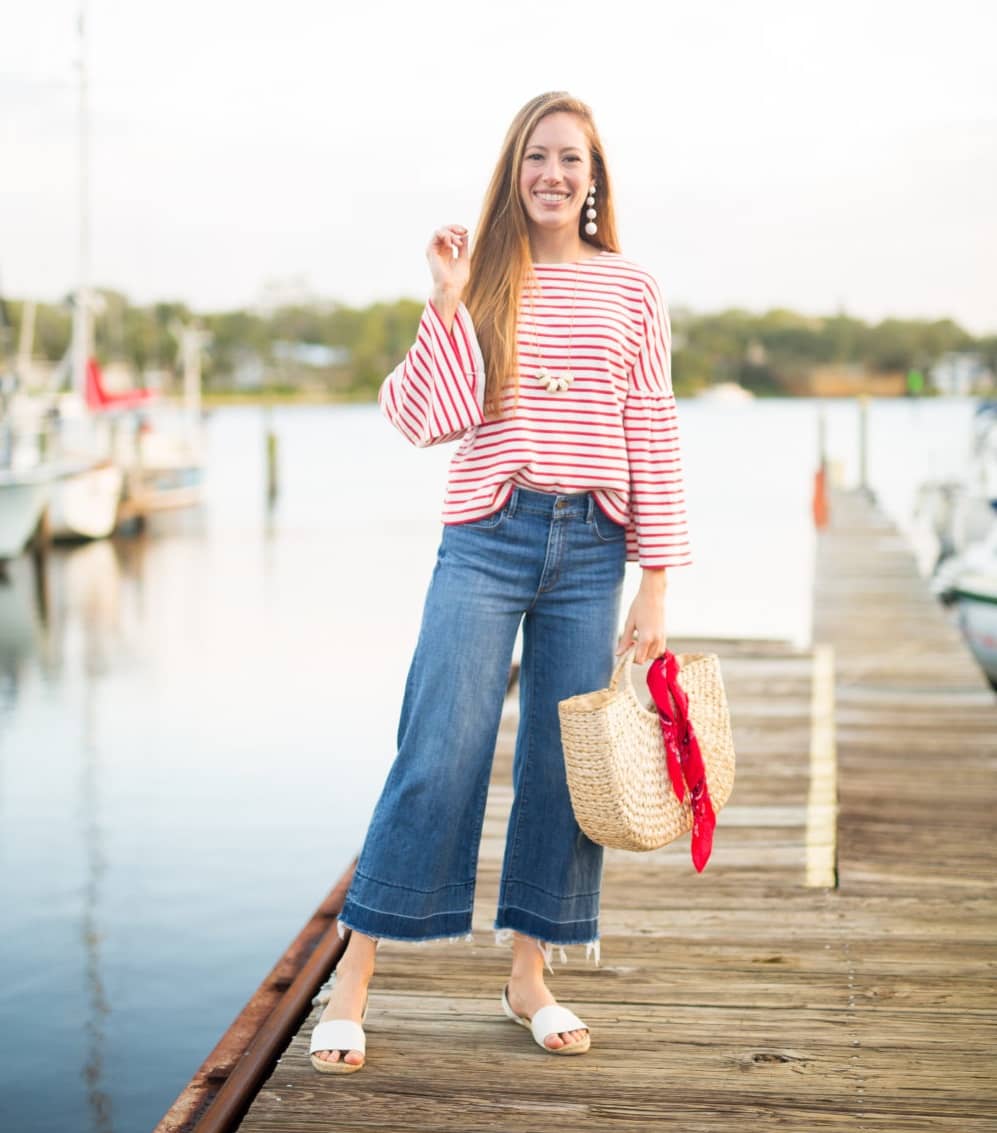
x=819 y=501
x=864 y=443
x=271 y=455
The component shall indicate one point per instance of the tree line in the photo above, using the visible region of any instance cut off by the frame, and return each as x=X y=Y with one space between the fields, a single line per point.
x=766 y=353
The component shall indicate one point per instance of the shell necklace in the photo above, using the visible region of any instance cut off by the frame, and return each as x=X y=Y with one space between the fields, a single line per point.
x=554 y=383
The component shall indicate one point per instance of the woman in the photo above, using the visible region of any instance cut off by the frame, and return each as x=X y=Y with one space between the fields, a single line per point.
x=548 y=353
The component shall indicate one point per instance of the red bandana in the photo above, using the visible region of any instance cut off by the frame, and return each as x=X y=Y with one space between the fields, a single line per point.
x=682 y=755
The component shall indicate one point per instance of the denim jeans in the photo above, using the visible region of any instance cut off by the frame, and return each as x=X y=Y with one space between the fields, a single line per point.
x=555 y=563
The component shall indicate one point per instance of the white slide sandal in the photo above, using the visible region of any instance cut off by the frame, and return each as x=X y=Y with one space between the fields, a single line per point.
x=342 y=1035
x=550 y=1020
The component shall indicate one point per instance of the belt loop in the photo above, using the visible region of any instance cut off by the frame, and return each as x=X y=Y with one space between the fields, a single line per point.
x=512 y=501
x=591 y=506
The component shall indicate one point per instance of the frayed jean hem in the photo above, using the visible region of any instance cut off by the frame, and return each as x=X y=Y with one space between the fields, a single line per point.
x=592 y=947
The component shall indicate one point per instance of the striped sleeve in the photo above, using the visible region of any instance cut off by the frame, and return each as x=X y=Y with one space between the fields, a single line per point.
x=657 y=535
x=436 y=393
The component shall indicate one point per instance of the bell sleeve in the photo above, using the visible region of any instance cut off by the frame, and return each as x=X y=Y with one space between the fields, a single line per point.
x=657 y=532
x=436 y=393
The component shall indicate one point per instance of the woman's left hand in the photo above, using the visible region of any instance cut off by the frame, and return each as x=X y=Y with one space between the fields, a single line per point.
x=647 y=618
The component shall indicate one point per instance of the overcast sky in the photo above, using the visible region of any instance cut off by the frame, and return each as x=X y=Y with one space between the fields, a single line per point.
x=811 y=155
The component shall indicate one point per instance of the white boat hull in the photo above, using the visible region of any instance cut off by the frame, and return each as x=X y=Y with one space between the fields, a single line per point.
x=727 y=393
x=969 y=581
x=22 y=501
x=978 y=621
x=85 y=506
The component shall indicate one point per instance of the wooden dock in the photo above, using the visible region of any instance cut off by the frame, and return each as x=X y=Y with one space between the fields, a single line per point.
x=834 y=966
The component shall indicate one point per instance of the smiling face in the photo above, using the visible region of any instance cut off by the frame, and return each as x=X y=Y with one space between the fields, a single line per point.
x=556 y=173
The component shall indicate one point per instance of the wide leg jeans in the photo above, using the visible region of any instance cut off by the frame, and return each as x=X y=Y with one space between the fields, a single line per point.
x=555 y=563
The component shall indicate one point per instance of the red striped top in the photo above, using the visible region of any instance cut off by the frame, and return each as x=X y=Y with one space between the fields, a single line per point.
x=613 y=432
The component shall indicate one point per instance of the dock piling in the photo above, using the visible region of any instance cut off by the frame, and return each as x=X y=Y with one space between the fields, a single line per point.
x=272 y=454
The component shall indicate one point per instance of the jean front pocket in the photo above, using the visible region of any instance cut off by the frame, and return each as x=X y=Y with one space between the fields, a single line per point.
x=606 y=529
x=486 y=522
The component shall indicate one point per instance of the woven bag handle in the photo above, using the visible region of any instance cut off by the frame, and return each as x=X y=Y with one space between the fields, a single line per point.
x=624 y=668
x=627 y=662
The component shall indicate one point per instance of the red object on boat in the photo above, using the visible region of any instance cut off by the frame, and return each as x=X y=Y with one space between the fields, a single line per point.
x=819 y=501
x=683 y=757
x=98 y=398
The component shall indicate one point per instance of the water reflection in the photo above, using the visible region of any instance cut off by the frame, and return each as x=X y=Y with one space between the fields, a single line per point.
x=73 y=631
x=19 y=623
x=90 y=584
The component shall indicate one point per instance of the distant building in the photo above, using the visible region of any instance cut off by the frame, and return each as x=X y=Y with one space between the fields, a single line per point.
x=312 y=354
x=960 y=373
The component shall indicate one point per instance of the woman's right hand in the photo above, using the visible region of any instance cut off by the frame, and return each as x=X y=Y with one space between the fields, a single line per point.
x=450 y=273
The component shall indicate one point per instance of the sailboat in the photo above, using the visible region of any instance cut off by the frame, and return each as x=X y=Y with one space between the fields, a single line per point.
x=138 y=462
x=71 y=474
x=164 y=467
x=27 y=488
x=83 y=502
x=25 y=479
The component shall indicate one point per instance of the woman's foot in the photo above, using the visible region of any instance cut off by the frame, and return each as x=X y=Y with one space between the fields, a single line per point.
x=349 y=992
x=527 y=996
x=528 y=992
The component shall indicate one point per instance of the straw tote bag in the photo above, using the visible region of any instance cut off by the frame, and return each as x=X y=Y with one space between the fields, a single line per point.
x=623 y=790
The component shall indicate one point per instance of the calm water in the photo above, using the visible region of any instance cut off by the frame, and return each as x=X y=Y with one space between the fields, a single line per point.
x=194 y=726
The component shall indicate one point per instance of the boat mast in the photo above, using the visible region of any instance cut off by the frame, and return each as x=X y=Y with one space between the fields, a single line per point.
x=81 y=307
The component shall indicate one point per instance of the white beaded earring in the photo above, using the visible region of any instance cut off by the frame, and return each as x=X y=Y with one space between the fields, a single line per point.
x=591 y=228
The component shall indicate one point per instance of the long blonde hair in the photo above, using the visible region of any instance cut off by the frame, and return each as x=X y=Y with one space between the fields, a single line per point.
x=501 y=262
